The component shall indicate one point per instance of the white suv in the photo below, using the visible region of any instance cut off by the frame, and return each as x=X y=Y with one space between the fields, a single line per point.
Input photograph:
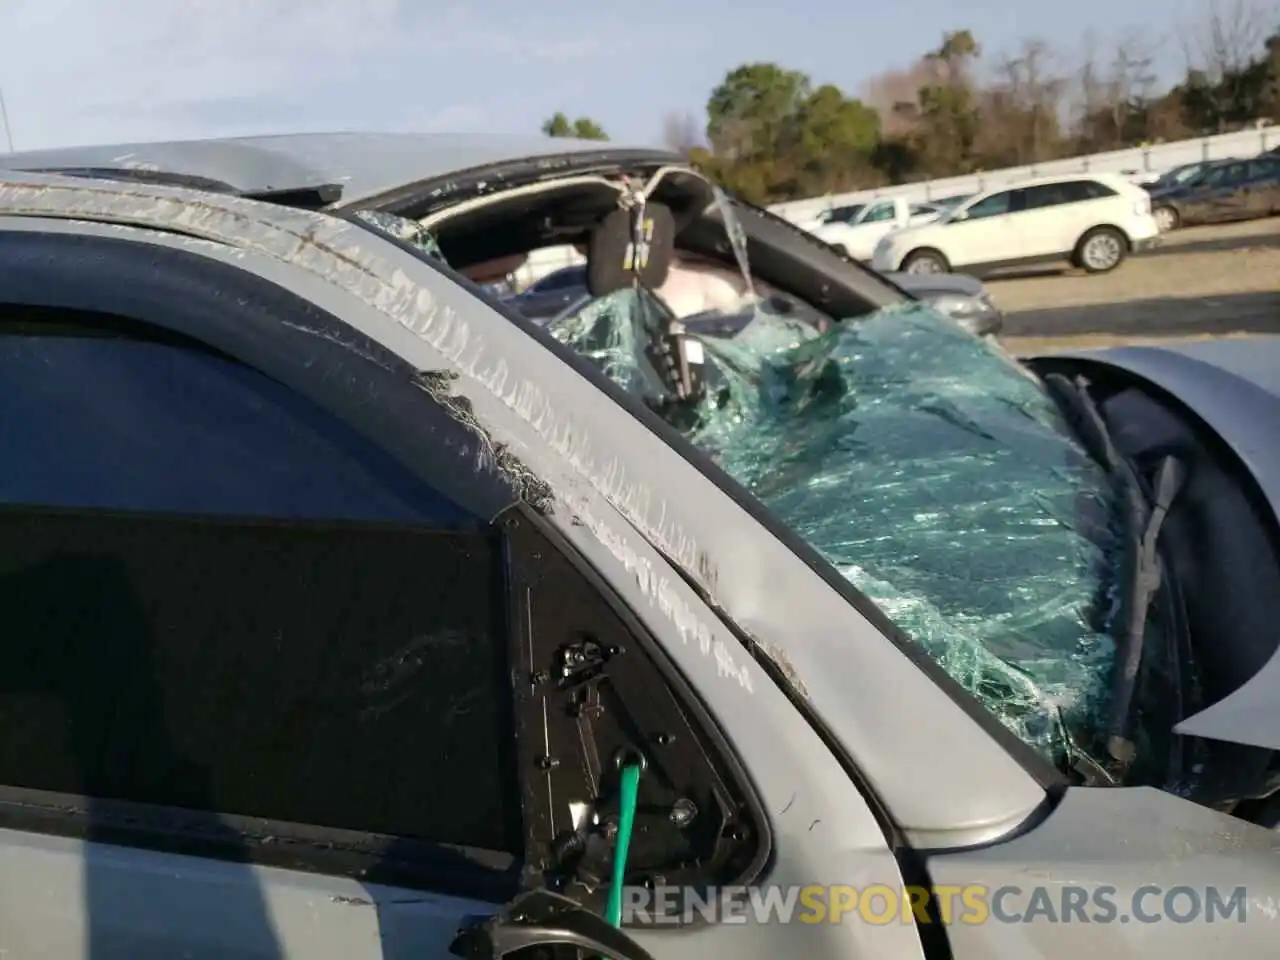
x=857 y=235
x=1092 y=221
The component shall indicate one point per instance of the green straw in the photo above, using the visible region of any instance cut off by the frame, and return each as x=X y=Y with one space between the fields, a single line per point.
x=628 y=800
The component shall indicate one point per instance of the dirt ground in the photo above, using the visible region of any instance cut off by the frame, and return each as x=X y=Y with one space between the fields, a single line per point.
x=1203 y=281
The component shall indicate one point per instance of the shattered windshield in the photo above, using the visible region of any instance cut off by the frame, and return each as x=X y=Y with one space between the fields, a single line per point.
x=935 y=473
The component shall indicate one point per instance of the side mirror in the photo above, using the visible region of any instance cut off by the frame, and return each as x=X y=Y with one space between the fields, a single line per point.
x=544 y=919
x=960 y=215
x=986 y=325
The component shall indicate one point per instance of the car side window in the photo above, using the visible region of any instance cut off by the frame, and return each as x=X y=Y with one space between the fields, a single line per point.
x=880 y=212
x=1068 y=191
x=1089 y=190
x=1235 y=174
x=992 y=206
x=843 y=214
x=1264 y=168
x=217 y=598
x=1046 y=195
x=560 y=280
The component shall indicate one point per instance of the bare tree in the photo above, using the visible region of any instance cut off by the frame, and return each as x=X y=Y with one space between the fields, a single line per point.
x=1114 y=89
x=1089 y=94
x=1228 y=35
x=681 y=133
x=893 y=95
x=1220 y=46
x=1130 y=82
x=1036 y=90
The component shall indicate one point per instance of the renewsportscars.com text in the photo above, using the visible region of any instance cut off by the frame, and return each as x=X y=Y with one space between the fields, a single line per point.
x=879 y=904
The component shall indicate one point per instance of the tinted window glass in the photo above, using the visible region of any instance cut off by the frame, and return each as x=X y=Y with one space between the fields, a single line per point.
x=843 y=214
x=991 y=206
x=879 y=213
x=155 y=427
x=335 y=677
x=258 y=654
x=1264 y=168
x=1070 y=191
x=1091 y=190
x=1232 y=174
x=1046 y=195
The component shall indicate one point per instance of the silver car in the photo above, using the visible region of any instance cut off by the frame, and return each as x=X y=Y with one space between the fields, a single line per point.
x=347 y=613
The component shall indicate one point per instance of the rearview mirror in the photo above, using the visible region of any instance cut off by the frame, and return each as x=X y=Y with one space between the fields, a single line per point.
x=544 y=919
x=960 y=215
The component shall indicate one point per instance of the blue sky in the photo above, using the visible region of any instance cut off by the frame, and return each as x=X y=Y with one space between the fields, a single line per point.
x=77 y=71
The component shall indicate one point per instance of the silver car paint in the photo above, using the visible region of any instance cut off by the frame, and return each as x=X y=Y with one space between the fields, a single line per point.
x=823 y=830
x=1234 y=386
x=365 y=164
x=1129 y=840
x=835 y=658
x=920 y=284
x=609 y=472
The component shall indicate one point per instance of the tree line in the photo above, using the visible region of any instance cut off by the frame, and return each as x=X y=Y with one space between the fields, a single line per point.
x=771 y=134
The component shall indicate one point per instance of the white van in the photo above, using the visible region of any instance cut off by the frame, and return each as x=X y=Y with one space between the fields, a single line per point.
x=1092 y=221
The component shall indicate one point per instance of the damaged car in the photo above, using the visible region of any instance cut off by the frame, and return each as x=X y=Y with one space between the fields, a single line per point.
x=348 y=610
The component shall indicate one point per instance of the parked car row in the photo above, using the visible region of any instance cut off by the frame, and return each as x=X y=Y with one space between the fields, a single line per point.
x=1092 y=222
x=1218 y=191
x=857 y=229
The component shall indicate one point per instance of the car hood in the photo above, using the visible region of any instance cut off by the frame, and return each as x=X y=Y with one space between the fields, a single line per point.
x=923 y=285
x=1233 y=386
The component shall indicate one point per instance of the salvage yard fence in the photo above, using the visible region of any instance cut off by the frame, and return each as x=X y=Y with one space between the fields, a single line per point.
x=1137 y=162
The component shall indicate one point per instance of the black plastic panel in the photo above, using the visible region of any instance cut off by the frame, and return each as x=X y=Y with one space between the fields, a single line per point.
x=593 y=691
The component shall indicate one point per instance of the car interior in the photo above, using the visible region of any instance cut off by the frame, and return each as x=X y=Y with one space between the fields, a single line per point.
x=476 y=224
x=668 y=233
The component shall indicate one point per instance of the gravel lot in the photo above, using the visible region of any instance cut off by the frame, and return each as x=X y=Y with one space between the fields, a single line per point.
x=1202 y=281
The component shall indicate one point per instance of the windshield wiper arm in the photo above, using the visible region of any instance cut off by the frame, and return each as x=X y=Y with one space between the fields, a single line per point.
x=1144 y=516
